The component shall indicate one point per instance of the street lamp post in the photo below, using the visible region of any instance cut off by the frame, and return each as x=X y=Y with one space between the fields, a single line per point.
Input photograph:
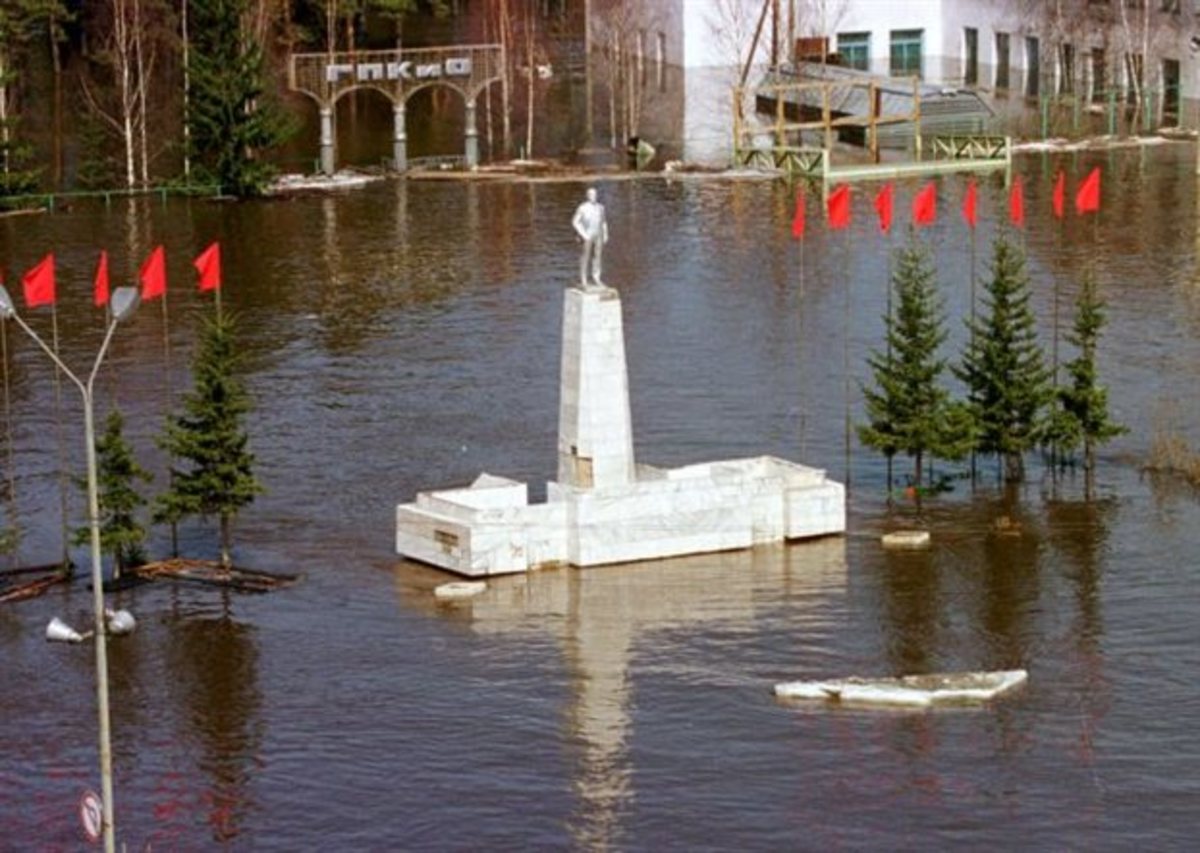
x=123 y=303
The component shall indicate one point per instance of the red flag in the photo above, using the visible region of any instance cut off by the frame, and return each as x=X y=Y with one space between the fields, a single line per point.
x=925 y=205
x=883 y=206
x=1088 y=197
x=797 y=232
x=100 y=288
x=1060 y=193
x=154 y=275
x=39 y=283
x=970 y=203
x=1016 y=203
x=208 y=264
x=837 y=207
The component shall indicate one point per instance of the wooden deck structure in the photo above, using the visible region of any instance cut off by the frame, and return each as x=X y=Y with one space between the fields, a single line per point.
x=866 y=108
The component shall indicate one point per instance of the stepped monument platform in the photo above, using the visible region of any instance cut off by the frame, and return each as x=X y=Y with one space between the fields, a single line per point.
x=604 y=508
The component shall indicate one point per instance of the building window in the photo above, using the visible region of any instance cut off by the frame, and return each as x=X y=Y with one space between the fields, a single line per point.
x=905 y=55
x=970 y=56
x=1170 y=81
x=1002 y=66
x=1099 y=75
x=855 y=50
x=1033 y=67
x=1066 y=68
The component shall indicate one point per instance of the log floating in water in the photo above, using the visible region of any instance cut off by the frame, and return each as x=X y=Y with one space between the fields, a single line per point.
x=30 y=589
x=212 y=573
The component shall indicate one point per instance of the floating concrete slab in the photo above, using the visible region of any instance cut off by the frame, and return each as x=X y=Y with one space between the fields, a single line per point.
x=459 y=589
x=604 y=508
x=911 y=691
x=906 y=540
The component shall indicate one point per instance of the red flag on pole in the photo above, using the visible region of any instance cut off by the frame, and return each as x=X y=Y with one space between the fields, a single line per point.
x=925 y=205
x=208 y=264
x=100 y=287
x=797 y=232
x=1088 y=197
x=970 y=204
x=837 y=207
x=154 y=275
x=883 y=207
x=1060 y=193
x=39 y=283
x=1016 y=203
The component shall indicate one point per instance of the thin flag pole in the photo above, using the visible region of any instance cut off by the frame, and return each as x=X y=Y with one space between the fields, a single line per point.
x=62 y=448
x=846 y=353
x=8 y=443
x=800 y=347
x=974 y=298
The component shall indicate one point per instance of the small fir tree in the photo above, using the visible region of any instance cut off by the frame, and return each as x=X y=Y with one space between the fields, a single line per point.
x=209 y=441
x=1008 y=384
x=117 y=473
x=1081 y=414
x=233 y=118
x=908 y=409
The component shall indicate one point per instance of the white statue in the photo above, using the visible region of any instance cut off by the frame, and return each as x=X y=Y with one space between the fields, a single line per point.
x=592 y=228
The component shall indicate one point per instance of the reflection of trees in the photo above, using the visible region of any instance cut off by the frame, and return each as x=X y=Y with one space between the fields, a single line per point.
x=214 y=676
x=1009 y=591
x=912 y=606
x=1079 y=531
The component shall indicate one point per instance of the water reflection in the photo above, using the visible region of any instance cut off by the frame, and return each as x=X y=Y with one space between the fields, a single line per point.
x=606 y=617
x=213 y=664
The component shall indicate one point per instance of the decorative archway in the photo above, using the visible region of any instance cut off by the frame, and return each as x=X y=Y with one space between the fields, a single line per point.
x=397 y=74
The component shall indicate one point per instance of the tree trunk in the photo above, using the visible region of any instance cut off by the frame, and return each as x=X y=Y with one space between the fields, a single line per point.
x=143 y=82
x=56 y=60
x=225 y=537
x=5 y=132
x=187 y=93
x=918 y=460
x=529 y=34
x=1089 y=468
x=1014 y=467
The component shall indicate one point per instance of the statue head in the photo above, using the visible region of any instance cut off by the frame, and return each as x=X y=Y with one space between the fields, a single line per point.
x=591 y=194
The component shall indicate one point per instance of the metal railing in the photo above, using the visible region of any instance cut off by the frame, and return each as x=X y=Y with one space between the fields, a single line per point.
x=50 y=200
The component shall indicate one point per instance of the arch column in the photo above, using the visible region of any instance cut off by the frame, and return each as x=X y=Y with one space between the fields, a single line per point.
x=328 y=154
x=399 y=138
x=472 y=137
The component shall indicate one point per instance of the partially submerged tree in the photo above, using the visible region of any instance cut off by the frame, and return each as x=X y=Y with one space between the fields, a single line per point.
x=208 y=441
x=909 y=410
x=1081 y=416
x=1008 y=384
x=117 y=472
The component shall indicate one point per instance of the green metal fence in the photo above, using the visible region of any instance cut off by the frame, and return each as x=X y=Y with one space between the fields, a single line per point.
x=50 y=200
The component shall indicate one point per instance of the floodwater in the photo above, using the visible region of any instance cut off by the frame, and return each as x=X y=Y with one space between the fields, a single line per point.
x=406 y=337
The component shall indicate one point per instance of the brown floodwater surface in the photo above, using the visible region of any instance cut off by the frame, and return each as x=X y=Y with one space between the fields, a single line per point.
x=406 y=337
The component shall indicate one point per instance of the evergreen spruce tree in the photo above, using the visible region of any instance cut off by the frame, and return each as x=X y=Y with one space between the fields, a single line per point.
x=121 y=534
x=209 y=442
x=1008 y=384
x=232 y=117
x=908 y=409
x=1081 y=413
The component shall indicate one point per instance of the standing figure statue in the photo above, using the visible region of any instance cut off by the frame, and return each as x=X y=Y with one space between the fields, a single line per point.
x=592 y=228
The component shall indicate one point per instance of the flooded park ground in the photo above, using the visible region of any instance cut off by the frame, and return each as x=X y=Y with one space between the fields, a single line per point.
x=407 y=335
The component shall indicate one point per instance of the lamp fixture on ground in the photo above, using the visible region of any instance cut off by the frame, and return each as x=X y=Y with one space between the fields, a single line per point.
x=123 y=303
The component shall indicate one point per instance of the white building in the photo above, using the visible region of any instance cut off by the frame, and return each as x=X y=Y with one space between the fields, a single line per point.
x=1016 y=50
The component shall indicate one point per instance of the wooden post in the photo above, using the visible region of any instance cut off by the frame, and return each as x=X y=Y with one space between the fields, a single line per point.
x=873 y=109
x=916 y=81
x=779 y=140
x=827 y=118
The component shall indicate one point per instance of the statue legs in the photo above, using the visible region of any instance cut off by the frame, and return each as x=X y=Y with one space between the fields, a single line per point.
x=589 y=263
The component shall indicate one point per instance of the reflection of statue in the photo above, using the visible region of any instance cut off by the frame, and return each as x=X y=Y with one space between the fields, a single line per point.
x=590 y=225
